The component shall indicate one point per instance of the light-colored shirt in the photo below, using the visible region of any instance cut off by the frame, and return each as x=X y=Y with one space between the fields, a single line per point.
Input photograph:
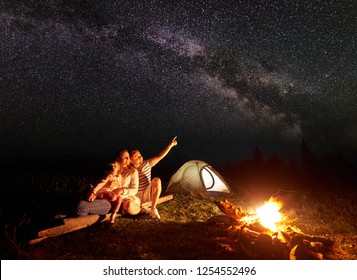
x=109 y=183
x=127 y=179
x=130 y=182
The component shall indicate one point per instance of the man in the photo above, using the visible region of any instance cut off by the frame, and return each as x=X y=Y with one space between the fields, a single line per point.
x=149 y=190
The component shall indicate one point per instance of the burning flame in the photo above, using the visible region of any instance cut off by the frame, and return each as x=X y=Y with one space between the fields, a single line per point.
x=269 y=214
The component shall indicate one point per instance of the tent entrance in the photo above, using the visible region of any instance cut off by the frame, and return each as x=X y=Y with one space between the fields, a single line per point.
x=212 y=181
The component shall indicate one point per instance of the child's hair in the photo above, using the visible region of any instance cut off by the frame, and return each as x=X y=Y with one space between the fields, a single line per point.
x=116 y=167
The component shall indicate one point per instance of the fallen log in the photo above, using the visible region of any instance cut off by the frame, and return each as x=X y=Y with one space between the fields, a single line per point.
x=69 y=225
x=160 y=200
x=76 y=223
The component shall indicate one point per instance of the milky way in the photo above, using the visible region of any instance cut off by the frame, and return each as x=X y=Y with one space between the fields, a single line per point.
x=90 y=77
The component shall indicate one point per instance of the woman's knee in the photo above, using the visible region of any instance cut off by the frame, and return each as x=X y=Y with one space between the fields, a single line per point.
x=82 y=209
x=131 y=207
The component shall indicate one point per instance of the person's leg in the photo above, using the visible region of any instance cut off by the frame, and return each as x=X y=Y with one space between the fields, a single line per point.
x=131 y=205
x=110 y=196
x=115 y=206
x=98 y=206
x=155 y=191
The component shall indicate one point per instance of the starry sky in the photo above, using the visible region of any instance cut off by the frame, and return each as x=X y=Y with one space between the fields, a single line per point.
x=87 y=78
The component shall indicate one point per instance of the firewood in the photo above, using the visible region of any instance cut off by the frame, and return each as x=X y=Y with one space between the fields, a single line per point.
x=281 y=250
x=230 y=210
x=259 y=242
x=247 y=233
x=263 y=247
x=285 y=238
x=326 y=242
x=229 y=221
x=300 y=252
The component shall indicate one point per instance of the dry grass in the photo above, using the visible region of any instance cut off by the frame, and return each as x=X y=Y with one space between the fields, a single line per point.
x=333 y=216
x=185 y=231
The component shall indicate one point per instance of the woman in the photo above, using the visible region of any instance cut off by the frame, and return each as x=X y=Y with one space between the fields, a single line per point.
x=122 y=182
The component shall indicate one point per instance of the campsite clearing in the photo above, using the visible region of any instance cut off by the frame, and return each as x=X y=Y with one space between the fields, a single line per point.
x=185 y=231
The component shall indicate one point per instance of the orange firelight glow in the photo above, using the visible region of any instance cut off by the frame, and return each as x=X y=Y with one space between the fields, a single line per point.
x=269 y=215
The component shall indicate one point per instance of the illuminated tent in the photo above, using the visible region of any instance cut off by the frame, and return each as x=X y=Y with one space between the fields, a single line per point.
x=198 y=179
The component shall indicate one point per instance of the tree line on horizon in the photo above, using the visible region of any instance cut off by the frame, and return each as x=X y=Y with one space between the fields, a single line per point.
x=330 y=172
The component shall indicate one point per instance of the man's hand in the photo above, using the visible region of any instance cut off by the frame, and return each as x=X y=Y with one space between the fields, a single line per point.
x=174 y=141
x=159 y=157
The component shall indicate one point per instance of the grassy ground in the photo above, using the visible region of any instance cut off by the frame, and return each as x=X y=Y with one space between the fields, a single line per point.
x=186 y=231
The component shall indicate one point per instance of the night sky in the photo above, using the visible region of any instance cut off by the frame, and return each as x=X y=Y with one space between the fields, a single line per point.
x=88 y=78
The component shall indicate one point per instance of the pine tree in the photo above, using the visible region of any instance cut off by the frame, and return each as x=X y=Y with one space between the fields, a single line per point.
x=257 y=156
x=307 y=157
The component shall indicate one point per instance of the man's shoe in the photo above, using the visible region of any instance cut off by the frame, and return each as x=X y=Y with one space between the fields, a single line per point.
x=154 y=213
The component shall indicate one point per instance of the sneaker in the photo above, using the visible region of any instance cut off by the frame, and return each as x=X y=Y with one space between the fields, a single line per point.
x=60 y=216
x=154 y=214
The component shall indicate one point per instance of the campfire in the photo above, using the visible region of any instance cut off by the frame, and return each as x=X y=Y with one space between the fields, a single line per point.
x=267 y=215
x=267 y=234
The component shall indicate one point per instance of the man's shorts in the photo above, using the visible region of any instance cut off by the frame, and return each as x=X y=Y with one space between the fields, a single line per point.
x=145 y=196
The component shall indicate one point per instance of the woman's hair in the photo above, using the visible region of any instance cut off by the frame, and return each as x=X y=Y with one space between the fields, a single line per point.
x=122 y=152
x=115 y=165
x=119 y=154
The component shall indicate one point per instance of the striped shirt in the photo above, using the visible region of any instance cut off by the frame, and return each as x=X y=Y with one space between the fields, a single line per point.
x=144 y=175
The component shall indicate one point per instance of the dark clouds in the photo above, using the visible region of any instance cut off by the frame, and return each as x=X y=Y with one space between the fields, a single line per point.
x=88 y=77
